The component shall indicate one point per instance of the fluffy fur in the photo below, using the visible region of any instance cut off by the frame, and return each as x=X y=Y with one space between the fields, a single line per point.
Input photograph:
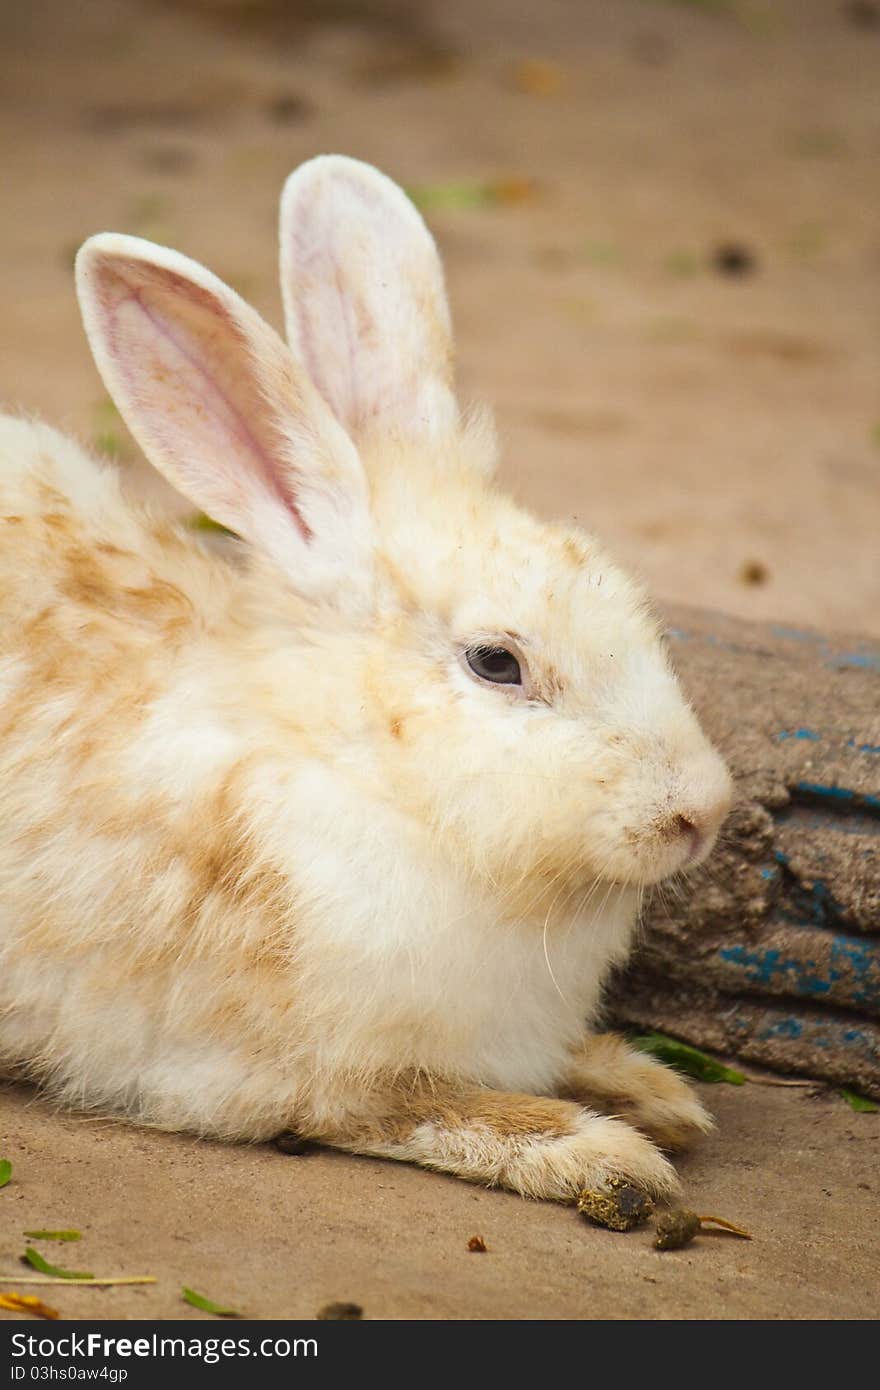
x=271 y=856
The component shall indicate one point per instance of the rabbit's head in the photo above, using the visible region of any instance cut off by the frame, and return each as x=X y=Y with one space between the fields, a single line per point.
x=513 y=693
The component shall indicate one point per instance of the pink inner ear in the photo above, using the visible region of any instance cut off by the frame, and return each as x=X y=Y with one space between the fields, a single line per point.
x=190 y=383
x=365 y=301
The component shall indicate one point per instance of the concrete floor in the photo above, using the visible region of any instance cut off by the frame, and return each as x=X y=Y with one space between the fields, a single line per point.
x=720 y=431
x=278 y=1237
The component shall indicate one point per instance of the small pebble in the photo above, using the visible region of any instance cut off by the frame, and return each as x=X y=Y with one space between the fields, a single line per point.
x=754 y=572
x=288 y=109
x=340 y=1312
x=477 y=1245
x=734 y=259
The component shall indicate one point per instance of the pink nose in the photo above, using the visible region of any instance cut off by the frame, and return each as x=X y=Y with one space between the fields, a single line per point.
x=706 y=803
x=692 y=835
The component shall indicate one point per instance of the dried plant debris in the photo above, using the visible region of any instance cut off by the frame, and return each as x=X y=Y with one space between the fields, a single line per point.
x=617 y=1207
x=198 y=1300
x=537 y=77
x=5 y=1171
x=477 y=1245
x=27 y=1303
x=687 y=1059
x=109 y=1282
x=340 y=1312
x=675 y=1229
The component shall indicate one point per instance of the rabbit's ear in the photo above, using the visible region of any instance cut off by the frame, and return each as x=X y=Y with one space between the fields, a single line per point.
x=364 y=299
x=220 y=407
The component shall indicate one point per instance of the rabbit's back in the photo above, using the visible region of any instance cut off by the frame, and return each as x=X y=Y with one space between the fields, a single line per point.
x=132 y=891
x=74 y=548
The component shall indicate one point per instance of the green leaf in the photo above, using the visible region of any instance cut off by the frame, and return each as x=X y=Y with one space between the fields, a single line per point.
x=467 y=194
x=198 y=1300
x=857 y=1102
x=33 y=1257
x=5 y=1171
x=202 y=522
x=54 y=1235
x=687 y=1059
x=473 y=193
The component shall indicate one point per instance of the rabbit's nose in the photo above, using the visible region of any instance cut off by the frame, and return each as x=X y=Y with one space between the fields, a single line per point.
x=701 y=810
x=691 y=834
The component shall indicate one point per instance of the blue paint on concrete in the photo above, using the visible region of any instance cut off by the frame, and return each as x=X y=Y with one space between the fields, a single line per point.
x=799 y=733
x=826 y=909
x=797 y=634
x=868 y=661
x=783 y=1028
x=855 y=1035
x=858 y=1044
x=867 y=658
x=859 y=961
x=852 y=972
x=841 y=796
x=769 y=873
x=769 y=966
x=863 y=747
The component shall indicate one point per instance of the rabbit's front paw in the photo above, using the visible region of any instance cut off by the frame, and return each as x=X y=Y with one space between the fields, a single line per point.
x=598 y=1153
x=539 y=1146
x=639 y=1089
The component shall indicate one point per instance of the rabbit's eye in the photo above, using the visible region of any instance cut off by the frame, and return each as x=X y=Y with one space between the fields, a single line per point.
x=494 y=664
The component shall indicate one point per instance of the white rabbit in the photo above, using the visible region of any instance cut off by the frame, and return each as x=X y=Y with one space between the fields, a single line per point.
x=342 y=836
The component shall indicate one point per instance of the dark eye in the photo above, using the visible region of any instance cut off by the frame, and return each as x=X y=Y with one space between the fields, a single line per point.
x=494 y=664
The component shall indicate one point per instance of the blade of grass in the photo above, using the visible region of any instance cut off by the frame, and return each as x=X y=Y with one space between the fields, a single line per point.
x=858 y=1103
x=81 y=1282
x=198 y=1300
x=34 y=1258
x=54 y=1235
x=686 y=1058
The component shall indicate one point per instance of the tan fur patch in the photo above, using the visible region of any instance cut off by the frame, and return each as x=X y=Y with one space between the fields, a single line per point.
x=575 y=552
x=409 y=1100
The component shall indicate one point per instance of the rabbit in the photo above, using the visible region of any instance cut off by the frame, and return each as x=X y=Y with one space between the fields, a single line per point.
x=339 y=832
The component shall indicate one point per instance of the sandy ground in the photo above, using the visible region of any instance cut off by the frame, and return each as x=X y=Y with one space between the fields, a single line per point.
x=714 y=428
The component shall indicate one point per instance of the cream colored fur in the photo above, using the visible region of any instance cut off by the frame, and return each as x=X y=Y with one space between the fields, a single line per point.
x=271 y=857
